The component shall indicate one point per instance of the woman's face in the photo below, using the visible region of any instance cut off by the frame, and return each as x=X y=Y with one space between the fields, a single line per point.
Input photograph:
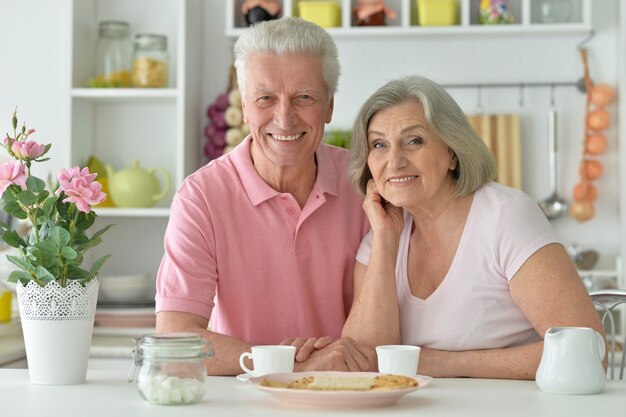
x=410 y=164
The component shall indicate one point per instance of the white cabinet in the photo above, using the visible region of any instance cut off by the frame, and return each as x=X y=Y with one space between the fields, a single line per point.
x=527 y=19
x=157 y=126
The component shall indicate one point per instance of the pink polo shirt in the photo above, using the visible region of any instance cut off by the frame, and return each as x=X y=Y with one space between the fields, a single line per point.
x=247 y=258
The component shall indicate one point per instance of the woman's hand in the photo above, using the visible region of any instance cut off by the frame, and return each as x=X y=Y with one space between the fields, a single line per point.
x=383 y=216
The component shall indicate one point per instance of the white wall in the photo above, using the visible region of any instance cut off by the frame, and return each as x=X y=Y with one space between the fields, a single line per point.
x=33 y=73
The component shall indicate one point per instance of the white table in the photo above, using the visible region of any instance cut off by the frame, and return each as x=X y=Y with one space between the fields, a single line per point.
x=107 y=393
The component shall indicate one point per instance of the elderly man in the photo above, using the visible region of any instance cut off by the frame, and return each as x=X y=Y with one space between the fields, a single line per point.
x=261 y=242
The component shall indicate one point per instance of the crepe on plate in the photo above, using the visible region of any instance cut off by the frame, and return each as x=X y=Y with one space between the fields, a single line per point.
x=347 y=383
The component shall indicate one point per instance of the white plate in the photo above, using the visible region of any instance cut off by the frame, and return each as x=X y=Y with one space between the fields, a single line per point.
x=244 y=377
x=335 y=399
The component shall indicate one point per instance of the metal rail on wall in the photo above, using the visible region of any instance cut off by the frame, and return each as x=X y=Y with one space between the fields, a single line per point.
x=580 y=85
x=512 y=85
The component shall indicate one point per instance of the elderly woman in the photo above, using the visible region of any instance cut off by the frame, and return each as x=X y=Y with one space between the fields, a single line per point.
x=466 y=268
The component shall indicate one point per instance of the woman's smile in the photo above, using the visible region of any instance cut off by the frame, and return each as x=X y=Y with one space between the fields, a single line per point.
x=401 y=180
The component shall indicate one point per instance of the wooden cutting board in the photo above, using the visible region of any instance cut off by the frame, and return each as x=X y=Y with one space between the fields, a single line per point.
x=501 y=133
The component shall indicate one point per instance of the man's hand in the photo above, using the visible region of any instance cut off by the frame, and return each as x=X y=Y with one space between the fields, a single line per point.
x=341 y=355
x=304 y=347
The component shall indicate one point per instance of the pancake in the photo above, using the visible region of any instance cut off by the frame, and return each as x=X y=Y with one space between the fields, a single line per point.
x=344 y=383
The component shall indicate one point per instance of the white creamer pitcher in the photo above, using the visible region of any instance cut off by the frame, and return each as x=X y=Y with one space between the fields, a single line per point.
x=572 y=361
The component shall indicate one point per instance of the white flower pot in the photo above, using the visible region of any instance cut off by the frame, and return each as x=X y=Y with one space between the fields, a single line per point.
x=57 y=323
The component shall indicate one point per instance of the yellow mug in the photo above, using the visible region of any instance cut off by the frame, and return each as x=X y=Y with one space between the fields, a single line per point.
x=5 y=306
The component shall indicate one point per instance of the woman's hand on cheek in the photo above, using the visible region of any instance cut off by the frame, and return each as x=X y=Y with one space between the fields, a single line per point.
x=382 y=215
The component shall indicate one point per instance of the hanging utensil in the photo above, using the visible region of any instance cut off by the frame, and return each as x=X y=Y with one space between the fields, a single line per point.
x=553 y=206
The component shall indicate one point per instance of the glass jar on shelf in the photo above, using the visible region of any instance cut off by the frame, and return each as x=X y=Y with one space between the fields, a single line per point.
x=150 y=61
x=555 y=11
x=169 y=367
x=113 y=55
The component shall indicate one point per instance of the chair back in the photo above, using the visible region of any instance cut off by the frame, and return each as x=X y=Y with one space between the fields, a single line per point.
x=608 y=302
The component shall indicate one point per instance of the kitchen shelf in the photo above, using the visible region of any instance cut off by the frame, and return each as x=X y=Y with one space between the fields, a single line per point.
x=156 y=126
x=132 y=212
x=130 y=94
x=122 y=331
x=406 y=22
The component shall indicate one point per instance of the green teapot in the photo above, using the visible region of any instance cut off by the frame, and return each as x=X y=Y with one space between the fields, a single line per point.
x=137 y=187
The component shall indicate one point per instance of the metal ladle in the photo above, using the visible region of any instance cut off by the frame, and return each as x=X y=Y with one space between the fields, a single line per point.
x=553 y=206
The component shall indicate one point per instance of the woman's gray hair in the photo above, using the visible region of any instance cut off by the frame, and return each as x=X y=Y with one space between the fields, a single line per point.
x=287 y=36
x=476 y=164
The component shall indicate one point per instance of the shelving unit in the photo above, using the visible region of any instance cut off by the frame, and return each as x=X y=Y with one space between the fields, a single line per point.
x=123 y=94
x=526 y=12
x=157 y=126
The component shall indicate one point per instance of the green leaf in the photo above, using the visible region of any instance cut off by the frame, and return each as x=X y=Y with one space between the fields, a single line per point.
x=4 y=226
x=68 y=253
x=59 y=236
x=27 y=197
x=41 y=197
x=13 y=239
x=21 y=276
x=85 y=220
x=77 y=272
x=42 y=274
x=14 y=209
x=32 y=238
x=95 y=267
x=35 y=184
x=102 y=231
x=20 y=262
x=62 y=208
x=48 y=206
x=8 y=196
x=10 y=205
x=46 y=253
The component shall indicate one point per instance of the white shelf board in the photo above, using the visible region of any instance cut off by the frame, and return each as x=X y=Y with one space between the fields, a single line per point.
x=512 y=29
x=604 y=273
x=112 y=94
x=122 y=331
x=133 y=212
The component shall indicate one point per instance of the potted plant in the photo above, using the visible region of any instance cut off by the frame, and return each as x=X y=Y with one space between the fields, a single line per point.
x=56 y=295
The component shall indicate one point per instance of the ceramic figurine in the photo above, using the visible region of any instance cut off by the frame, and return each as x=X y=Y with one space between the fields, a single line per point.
x=494 y=12
x=372 y=13
x=260 y=10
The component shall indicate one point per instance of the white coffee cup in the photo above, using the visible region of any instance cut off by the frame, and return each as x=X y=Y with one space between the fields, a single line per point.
x=269 y=359
x=398 y=359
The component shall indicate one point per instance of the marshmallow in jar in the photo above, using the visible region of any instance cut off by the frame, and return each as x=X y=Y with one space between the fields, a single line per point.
x=170 y=367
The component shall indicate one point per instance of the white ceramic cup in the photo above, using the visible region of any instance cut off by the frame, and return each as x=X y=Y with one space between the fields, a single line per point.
x=269 y=359
x=398 y=359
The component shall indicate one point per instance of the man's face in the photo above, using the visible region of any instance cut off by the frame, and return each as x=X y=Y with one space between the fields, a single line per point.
x=286 y=106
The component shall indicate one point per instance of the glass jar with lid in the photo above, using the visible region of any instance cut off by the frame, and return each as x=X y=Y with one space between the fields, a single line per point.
x=150 y=61
x=169 y=367
x=113 y=55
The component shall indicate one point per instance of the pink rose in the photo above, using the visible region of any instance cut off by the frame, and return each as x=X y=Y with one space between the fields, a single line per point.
x=81 y=188
x=11 y=172
x=28 y=150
